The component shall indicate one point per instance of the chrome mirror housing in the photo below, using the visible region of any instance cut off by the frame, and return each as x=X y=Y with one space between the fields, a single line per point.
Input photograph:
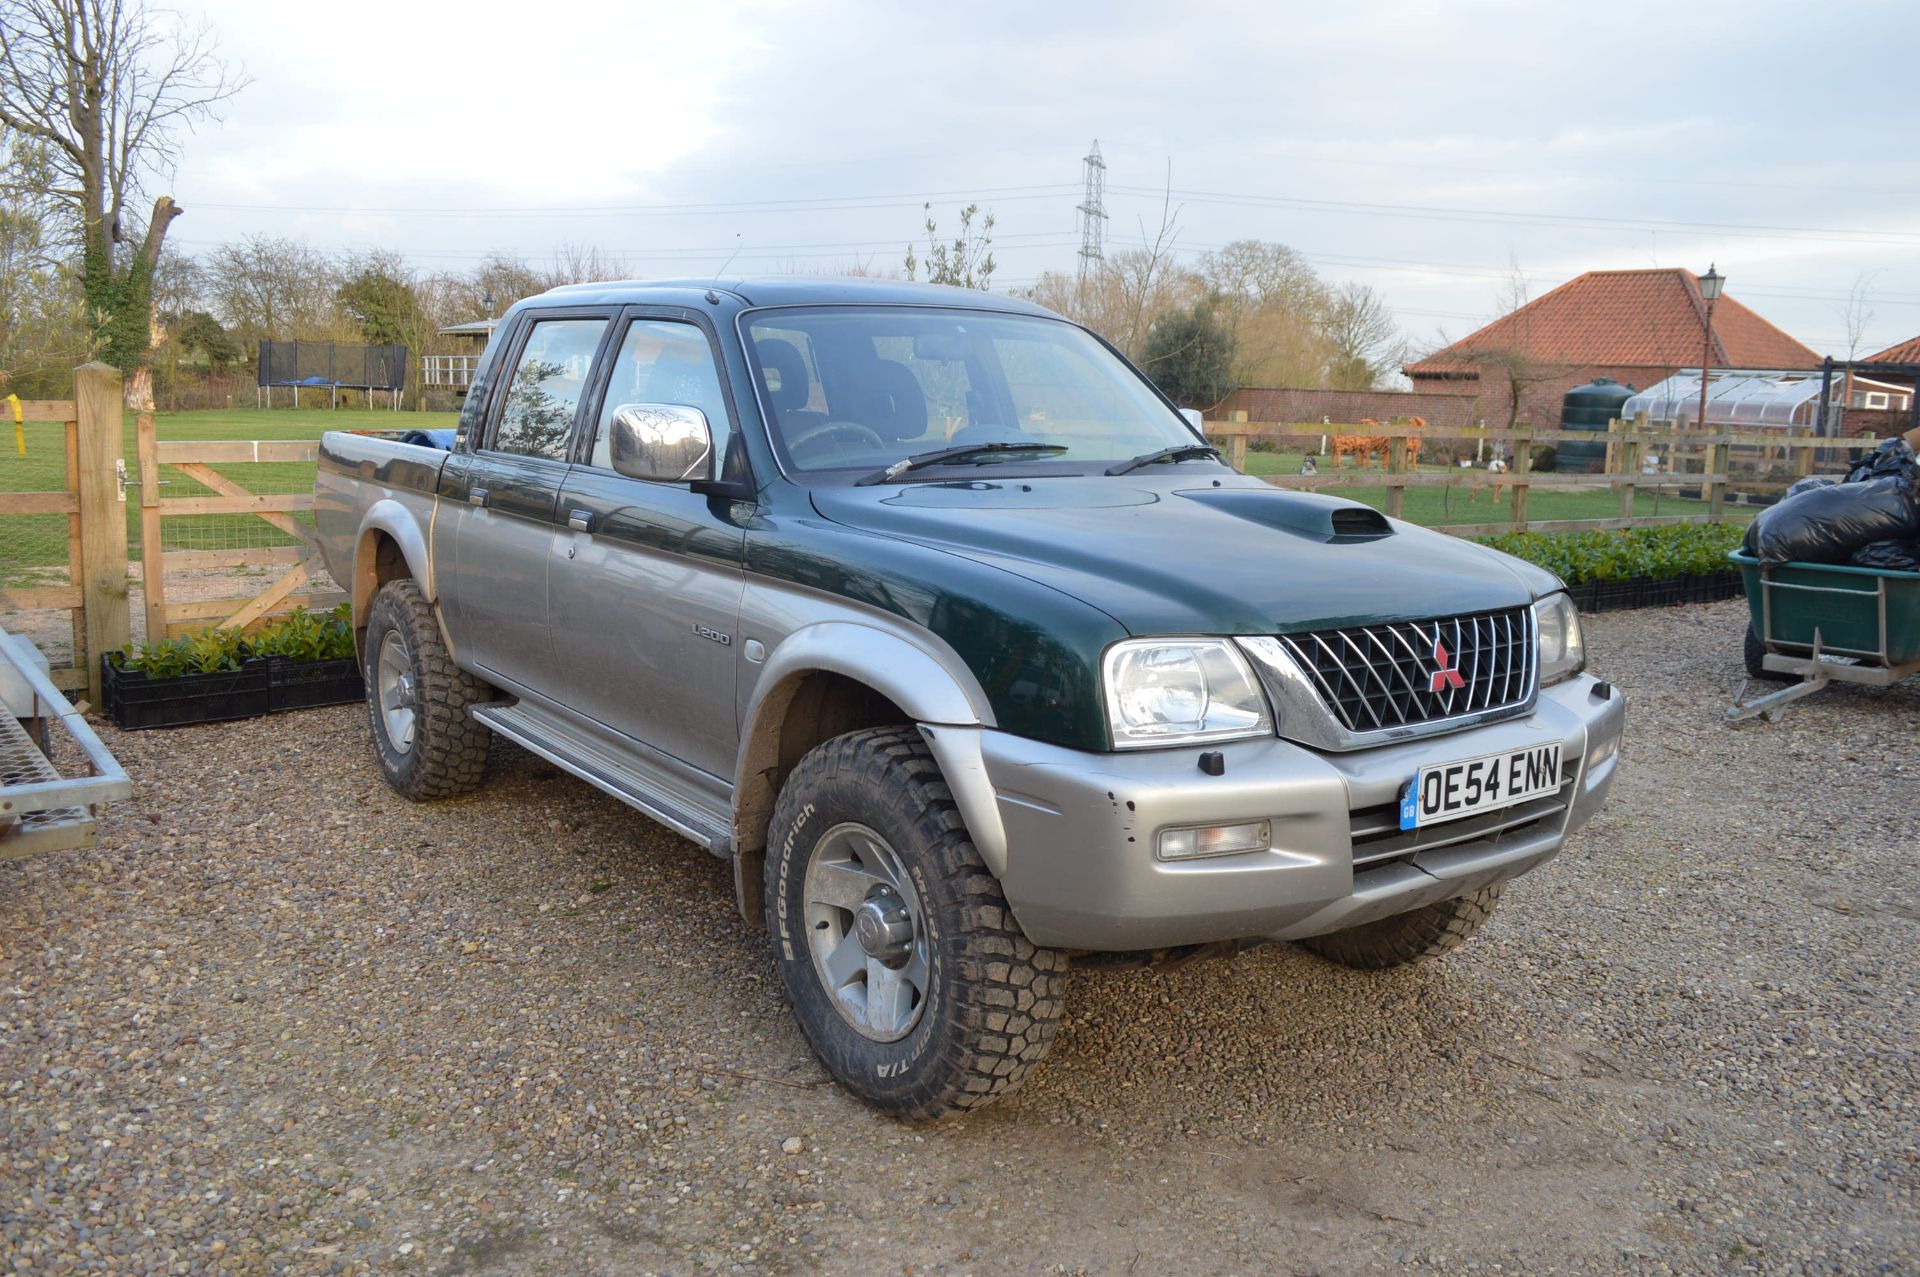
x=661 y=442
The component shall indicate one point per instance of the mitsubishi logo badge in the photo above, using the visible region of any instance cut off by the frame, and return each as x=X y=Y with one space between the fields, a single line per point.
x=1445 y=678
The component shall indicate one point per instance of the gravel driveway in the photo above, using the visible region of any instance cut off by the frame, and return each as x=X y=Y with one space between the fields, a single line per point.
x=283 y=1021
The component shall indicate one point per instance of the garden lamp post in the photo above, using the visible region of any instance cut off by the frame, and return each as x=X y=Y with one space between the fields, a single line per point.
x=1710 y=285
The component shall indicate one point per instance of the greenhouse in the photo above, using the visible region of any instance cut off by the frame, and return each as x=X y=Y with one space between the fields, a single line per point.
x=1745 y=397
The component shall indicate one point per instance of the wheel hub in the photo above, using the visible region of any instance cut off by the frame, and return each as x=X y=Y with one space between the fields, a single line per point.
x=884 y=927
x=865 y=928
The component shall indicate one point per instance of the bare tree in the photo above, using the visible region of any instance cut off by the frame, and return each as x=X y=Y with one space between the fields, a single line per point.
x=1857 y=313
x=101 y=89
x=1366 y=341
x=280 y=289
x=586 y=264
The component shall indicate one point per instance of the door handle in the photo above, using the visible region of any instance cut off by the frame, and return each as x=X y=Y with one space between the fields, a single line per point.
x=580 y=520
x=478 y=496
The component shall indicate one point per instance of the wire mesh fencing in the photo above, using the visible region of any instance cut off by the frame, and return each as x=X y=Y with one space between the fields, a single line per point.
x=39 y=533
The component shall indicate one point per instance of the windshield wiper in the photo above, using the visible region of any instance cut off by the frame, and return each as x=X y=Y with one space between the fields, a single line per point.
x=1179 y=452
x=938 y=456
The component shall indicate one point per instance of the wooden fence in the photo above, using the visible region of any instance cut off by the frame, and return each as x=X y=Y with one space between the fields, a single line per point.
x=1628 y=444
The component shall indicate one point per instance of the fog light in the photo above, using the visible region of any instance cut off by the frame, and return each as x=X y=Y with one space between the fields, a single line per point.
x=1213 y=840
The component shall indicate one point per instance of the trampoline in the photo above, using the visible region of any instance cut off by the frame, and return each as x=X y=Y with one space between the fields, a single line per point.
x=332 y=366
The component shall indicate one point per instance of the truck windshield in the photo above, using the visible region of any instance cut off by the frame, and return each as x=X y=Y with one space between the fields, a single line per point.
x=863 y=387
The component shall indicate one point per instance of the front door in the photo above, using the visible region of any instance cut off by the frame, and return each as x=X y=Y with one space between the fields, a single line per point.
x=646 y=576
x=501 y=499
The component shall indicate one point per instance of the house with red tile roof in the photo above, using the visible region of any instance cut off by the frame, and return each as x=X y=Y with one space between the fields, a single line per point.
x=1638 y=327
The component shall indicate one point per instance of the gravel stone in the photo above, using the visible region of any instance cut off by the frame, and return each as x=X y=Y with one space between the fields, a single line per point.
x=283 y=1021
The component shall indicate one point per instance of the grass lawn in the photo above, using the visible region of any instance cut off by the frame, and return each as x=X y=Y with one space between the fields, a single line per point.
x=1437 y=507
x=32 y=544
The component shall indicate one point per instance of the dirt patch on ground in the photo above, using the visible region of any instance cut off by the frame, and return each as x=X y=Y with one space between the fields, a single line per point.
x=283 y=1021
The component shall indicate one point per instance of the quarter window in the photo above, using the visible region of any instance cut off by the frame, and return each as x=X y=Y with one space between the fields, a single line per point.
x=547 y=384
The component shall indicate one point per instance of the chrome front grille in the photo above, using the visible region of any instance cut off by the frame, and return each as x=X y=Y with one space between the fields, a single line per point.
x=1380 y=677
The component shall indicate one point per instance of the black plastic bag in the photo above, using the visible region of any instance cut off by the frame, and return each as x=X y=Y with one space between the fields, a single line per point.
x=1892 y=457
x=1889 y=556
x=1827 y=525
x=1808 y=485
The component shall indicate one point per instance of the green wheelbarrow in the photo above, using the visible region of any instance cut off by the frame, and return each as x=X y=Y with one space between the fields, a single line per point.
x=1825 y=623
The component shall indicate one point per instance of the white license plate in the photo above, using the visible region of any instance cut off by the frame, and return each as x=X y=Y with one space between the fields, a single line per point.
x=1449 y=791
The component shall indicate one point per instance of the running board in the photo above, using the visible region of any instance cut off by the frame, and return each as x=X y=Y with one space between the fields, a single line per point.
x=567 y=751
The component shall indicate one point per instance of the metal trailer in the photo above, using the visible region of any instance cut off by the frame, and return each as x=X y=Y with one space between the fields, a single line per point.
x=1826 y=622
x=40 y=808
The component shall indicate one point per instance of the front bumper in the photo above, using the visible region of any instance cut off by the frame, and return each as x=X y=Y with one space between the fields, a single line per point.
x=1072 y=835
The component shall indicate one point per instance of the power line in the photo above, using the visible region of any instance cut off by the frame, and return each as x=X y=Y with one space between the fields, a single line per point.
x=1592 y=221
x=833 y=203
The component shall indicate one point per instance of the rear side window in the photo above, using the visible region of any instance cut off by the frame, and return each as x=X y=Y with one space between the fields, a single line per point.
x=548 y=380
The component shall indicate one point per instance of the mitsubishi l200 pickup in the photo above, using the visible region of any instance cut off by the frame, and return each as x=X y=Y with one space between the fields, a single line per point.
x=927 y=609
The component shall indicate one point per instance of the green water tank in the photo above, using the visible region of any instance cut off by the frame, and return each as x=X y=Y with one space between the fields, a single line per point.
x=1589 y=407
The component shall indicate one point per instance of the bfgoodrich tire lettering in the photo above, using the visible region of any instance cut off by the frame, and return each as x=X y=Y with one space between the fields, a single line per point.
x=1408 y=937
x=426 y=744
x=992 y=997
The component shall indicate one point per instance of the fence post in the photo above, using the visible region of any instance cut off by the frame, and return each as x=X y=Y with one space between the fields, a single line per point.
x=1630 y=449
x=1719 y=457
x=103 y=519
x=1237 y=444
x=1396 y=464
x=153 y=570
x=1522 y=467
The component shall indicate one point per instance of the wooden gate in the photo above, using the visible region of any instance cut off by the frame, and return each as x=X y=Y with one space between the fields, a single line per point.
x=237 y=507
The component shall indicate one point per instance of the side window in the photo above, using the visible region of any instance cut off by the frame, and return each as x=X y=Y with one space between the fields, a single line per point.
x=548 y=380
x=662 y=361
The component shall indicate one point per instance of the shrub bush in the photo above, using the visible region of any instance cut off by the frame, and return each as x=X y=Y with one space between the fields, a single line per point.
x=299 y=636
x=1636 y=553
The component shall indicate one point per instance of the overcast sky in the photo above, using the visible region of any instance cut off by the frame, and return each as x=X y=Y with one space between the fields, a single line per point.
x=1417 y=147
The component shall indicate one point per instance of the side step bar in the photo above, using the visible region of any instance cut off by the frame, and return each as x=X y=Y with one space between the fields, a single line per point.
x=536 y=733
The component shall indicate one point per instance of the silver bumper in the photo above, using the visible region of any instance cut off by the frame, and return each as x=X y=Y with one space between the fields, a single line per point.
x=1072 y=835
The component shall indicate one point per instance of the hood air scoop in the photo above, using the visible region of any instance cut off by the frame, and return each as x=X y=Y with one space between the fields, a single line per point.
x=1326 y=519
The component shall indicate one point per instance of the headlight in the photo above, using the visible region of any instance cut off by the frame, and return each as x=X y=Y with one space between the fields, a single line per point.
x=1181 y=691
x=1562 y=651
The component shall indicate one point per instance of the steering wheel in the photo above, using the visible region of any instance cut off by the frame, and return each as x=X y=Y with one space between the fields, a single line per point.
x=850 y=430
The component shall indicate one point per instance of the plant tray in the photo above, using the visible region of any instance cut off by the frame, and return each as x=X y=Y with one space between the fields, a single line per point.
x=1692 y=587
x=137 y=702
x=305 y=684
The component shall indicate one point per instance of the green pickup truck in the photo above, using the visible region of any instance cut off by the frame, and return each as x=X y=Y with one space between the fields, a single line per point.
x=929 y=612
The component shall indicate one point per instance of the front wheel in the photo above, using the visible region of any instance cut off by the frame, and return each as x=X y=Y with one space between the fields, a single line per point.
x=417 y=699
x=1409 y=937
x=908 y=974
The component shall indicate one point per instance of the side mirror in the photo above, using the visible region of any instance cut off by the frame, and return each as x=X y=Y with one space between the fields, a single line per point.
x=1195 y=420
x=662 y=442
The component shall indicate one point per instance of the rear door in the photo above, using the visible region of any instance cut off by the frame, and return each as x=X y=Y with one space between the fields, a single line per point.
x=647 y=576
x=501 y=499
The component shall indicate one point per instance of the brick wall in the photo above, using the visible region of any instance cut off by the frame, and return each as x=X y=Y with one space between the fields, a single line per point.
x=1284 y=403
x=1540 y=402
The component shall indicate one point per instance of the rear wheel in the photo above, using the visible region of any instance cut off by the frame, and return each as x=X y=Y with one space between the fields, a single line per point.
x=1754 y=654
x=907 y=972
x=1410 y=937
x=417 y=699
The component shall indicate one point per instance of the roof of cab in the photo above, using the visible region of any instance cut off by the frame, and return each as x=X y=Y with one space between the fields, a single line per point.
x=786 y=290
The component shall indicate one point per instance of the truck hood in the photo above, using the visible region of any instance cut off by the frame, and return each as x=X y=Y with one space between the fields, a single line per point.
x=1169 y=555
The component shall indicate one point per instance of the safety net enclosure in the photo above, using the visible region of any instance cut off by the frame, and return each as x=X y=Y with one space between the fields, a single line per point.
x=333 y=366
